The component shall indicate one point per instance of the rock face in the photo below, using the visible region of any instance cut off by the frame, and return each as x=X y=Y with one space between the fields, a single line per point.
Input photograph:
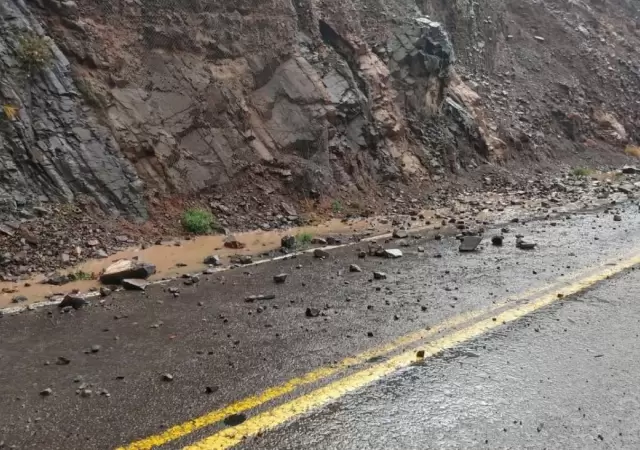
x=52 y=147
x=310 y=97
x=203 y=96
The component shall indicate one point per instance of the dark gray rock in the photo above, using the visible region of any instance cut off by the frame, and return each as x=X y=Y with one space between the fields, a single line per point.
x=62 y=361
x=75 y=301
x=525 y=245
x=288 y=241
x=400 y=234
x=497 y=240
x=280 y=278
x=469 y=243
x=312 y=312
x=354 y=268
x=19 y=299
x=241 y=259
x=134 y=284
x=319 y=241
x=213 y=260
x=379 y=275
x=320 y=253
x=105 y=291
x=57 y=280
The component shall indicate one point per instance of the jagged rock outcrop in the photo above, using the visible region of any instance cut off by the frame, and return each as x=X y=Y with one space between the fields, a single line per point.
x=51 y=146
x=201 y=96
x=323 y=97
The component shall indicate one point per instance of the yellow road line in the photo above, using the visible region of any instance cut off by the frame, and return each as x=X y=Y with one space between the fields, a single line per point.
x=183 y=429
x=272 y=393
x=280 y=414
x=210 y=418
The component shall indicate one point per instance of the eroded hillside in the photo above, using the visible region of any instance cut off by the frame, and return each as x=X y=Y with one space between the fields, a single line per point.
x=149 y=99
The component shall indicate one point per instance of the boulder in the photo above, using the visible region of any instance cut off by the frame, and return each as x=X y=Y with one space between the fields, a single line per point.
x=125 y=269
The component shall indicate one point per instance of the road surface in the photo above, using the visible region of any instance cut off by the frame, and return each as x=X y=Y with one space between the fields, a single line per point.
x=498 y=348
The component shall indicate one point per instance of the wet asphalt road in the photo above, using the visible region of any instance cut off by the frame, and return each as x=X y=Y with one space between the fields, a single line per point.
x=567 y=377
x=209 y=337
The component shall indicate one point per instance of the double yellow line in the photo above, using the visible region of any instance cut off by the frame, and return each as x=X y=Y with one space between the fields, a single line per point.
x=462 y=328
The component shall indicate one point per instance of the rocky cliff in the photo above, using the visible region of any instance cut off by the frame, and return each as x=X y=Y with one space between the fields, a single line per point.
x=52 y=148
x=305 y=98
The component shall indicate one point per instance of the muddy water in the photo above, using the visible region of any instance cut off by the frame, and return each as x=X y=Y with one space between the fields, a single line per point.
x=189 y=253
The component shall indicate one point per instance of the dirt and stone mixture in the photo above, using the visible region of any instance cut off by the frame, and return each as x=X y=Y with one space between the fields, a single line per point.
x=271 y=114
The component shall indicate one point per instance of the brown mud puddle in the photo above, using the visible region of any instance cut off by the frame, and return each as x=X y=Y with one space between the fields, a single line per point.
x=173 y=260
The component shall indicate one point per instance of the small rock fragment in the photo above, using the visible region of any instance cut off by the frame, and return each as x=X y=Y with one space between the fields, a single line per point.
x=86 y=392
x=19 y=299
x=235 y=419
x=213 y=260
x=232 y=242
x=280 y=278
x=62 y=361
x=242 y=259
x=497 y=240
x=392 y=253
x=46 y=392
x=75 y=301
x=167 y=377
x=132 y=284
x=312 y=312
x=400 y=234
x=253 y=298
x=288 y=241
x=354 y=268
x=525 y=245
x=320 y=253
x=379 y=275
x=105 y=291
x=617 y=218
x=469 y=243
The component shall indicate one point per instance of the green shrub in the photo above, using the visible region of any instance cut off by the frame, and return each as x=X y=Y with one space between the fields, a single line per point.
x=581 y=172
x=304 y=239
x=198 y=221
x=81 y=275
x=336 y=206
x=34 y=52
